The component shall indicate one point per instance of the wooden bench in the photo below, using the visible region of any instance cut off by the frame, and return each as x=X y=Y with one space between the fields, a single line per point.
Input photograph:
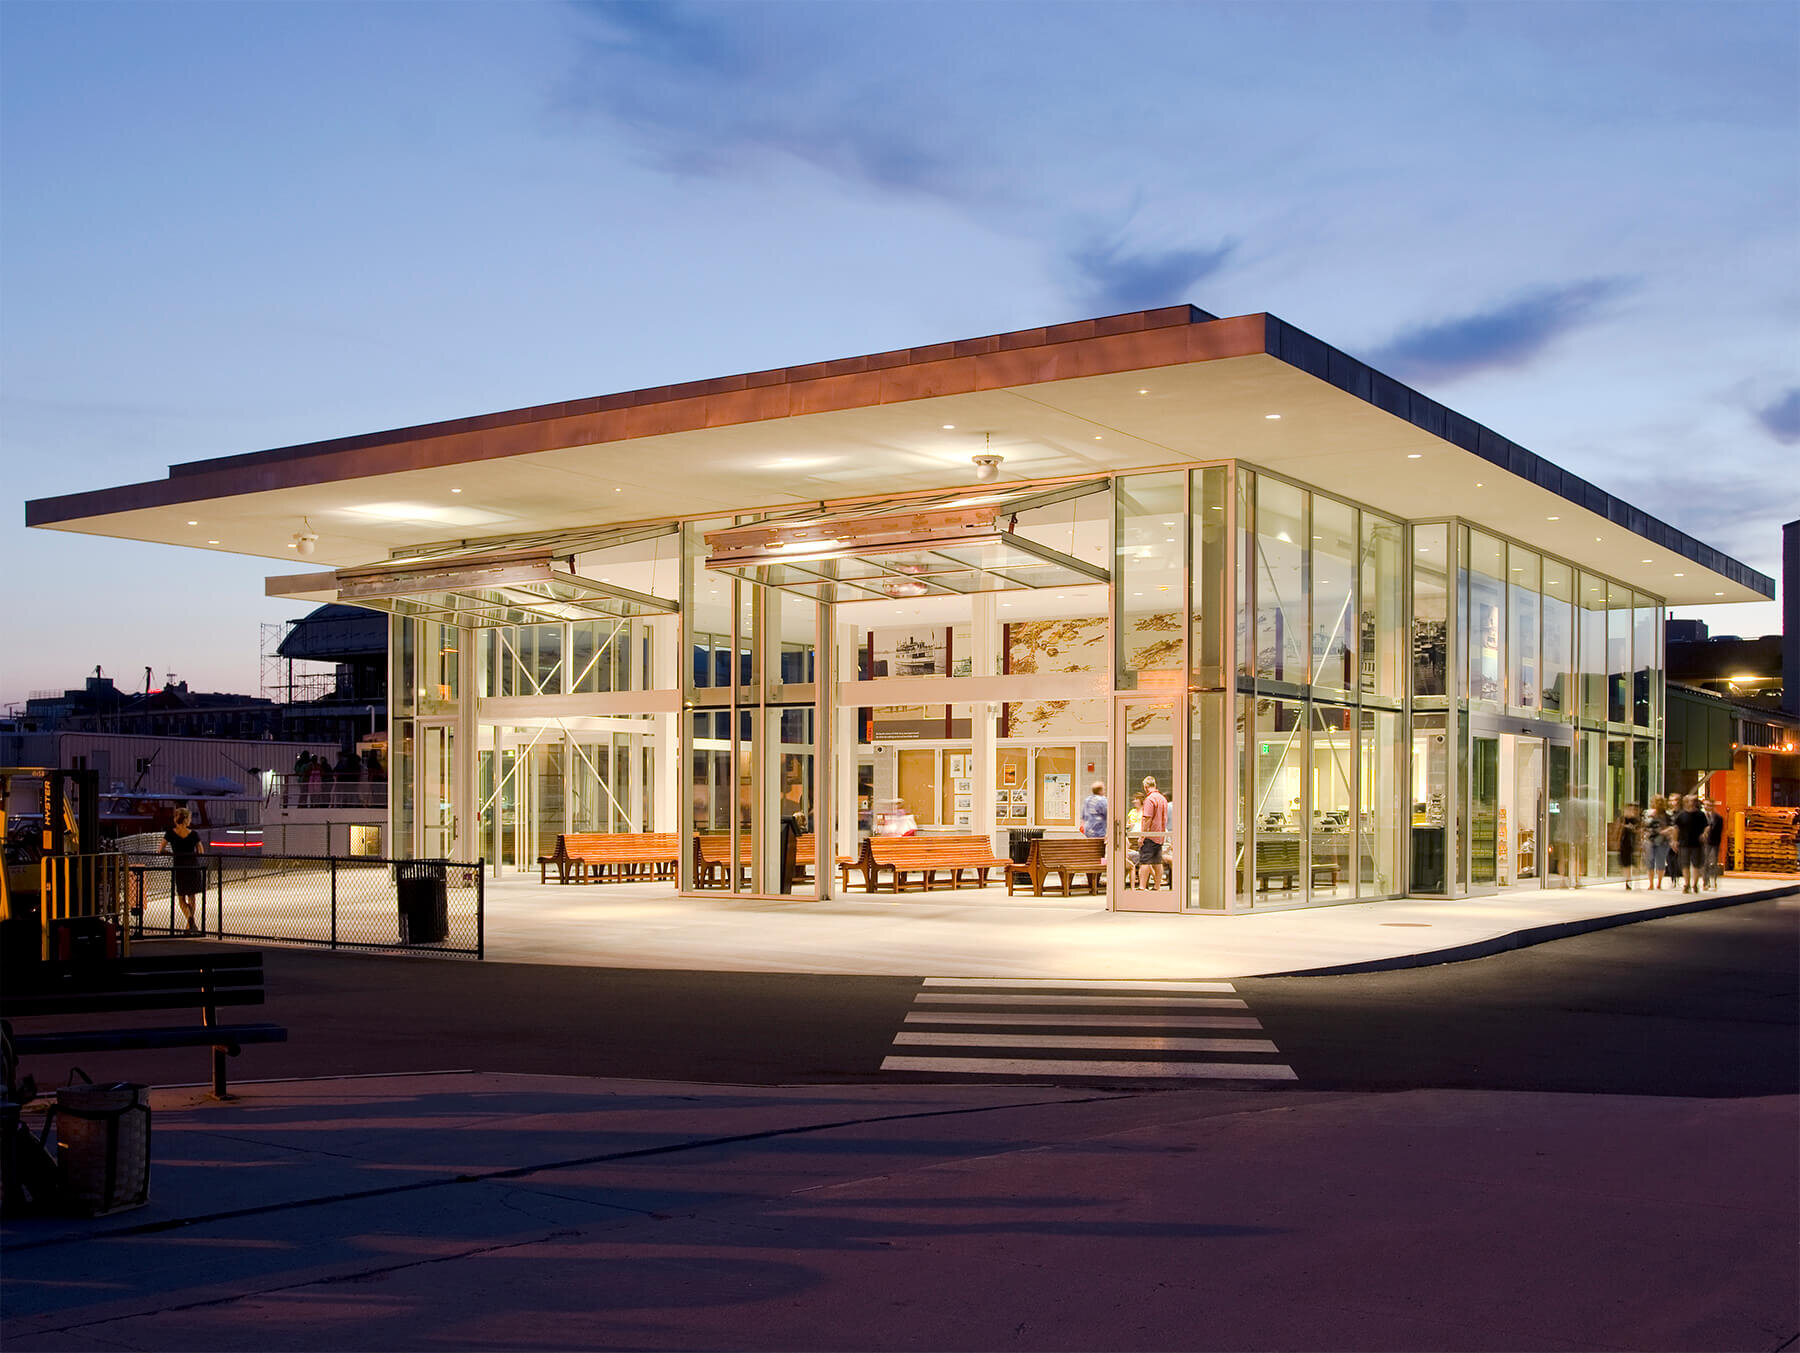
x=929 y=856
x=1281 y=860
x=612 y=857
x=202 y=982
x=1071 y=857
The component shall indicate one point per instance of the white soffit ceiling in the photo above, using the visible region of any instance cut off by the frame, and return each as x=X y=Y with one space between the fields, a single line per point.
x=1084 y=426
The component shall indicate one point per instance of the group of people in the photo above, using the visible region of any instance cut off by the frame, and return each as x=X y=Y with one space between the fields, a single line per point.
x=1680 y=840
x=1146 y=829
x=313 y=773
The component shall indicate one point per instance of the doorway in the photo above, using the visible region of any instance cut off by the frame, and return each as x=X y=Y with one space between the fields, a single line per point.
x=1144 y=745
x=1518 y=794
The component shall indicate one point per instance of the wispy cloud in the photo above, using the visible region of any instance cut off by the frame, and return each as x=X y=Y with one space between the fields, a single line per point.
x=1509 y=335
x=721 y=90
x=1115 y=278
x=1782 y=418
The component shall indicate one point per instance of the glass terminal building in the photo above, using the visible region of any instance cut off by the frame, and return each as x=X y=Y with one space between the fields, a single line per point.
x=1367 y=647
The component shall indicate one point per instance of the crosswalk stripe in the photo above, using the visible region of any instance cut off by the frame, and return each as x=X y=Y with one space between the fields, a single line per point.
x=1119 y=1042
x=943 y=1017
x=1052 y=998
x=1123 y=984
x=967 y=1026
x=1010 y=1066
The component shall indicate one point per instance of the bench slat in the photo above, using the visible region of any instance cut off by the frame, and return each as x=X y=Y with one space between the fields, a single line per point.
x=166 y=1036
x=39 y=1005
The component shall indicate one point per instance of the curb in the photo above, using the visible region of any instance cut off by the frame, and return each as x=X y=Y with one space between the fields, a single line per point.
x=1525 y=939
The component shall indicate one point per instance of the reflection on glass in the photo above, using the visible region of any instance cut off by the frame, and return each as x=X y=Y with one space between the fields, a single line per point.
x=1334 y=552
x=1280 y=802
x=1431 y=611
x=1282 y=648
x=1522 y=584
x=1618 y=654
x=1591 y=645
x=1559 y=639
x=1645 y=634
x=1487 y=617
x=1332 y=802
x=1430 y=805
x=1378 y=818
x=1484 y=811
x=1150 y=600
x=1383 y=629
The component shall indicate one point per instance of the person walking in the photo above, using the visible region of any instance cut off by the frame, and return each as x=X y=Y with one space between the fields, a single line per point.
x=189 y=875
x=1658 y=829
x=1156 y=830
x=1690 y=841
x=1093 y=812
x=1631 y=830
x=1715 y=843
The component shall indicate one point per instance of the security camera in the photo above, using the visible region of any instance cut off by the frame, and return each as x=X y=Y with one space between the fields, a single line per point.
x=305 y=542
x=987 y=468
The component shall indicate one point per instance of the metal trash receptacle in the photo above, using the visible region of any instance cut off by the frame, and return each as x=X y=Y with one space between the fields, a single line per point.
x=422 y=890
x=1018 y=842
x=103 y=1147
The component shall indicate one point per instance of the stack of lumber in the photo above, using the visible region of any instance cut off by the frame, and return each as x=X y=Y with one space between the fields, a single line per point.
x=1769 y=840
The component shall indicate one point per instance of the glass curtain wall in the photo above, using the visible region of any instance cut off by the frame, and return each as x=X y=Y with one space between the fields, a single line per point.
x=751 y=681
x=1321 y=598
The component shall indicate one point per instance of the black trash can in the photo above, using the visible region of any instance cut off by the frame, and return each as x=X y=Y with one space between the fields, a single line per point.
x=1018 y=842
x=424 y=901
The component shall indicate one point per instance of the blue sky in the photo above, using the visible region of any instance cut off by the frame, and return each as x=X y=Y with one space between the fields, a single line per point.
x=228 y=227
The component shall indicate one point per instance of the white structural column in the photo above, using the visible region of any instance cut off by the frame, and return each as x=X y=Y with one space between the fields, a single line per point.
x=666 y=664
x=984 y=715
x=841 y=838
x=466 y=843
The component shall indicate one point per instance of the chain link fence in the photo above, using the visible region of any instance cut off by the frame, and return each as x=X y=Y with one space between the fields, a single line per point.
x=430 y=907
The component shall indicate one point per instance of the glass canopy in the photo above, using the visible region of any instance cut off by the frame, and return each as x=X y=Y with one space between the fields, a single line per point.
x=483 y=592
x=913 y=549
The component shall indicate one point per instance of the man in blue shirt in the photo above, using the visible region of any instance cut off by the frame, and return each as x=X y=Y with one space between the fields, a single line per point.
x=1093 y=812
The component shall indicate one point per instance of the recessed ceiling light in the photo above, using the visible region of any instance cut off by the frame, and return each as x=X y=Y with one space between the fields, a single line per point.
x=949 y=427
x=193 y=523
x=1098 y=437
x=1643 y=561
x=212 y=542
x=1681 y=575
x=292 y=545
x=1596 y=540
x=1552 y=518
x=1415 y=455
x=1718 y=594
x=1273 y=417
x=1143 y=392
x=618 y=490
x=456 y=490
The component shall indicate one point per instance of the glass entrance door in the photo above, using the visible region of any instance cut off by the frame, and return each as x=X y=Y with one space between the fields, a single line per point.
x=1145 y=867
x=1561 y=825
x=1523 y=865
x=1484 y=813
x=437 y=779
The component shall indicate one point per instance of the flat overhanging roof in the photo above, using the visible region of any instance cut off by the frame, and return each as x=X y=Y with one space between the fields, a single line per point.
x=1156 y=388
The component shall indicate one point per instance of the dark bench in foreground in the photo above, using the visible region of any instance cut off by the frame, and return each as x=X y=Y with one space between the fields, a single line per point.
x=184 y=982
x=1071 y=858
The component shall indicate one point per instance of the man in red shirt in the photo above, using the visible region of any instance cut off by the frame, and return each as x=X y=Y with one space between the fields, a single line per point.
x=1156 y=831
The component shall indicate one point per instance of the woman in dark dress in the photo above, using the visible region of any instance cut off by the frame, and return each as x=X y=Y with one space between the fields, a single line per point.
x=183 y=842
x=1631 y=826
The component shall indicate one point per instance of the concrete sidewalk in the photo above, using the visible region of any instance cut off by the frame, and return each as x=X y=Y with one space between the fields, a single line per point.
x=530 y=1212
x=985 y=934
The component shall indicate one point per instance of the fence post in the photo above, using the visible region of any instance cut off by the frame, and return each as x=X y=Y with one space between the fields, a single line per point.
x=333 y=901
x=219 y=879
x=480 y=908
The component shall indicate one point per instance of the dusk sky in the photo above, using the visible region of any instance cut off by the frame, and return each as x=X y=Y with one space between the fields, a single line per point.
x=225 y=227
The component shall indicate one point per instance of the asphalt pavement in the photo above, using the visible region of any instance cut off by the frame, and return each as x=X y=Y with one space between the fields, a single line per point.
x=1700 y=1004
